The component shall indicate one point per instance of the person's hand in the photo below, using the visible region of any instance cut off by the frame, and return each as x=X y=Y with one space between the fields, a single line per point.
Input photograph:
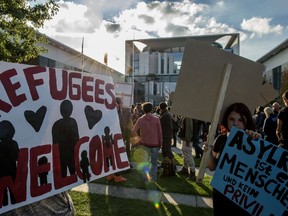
x=281 y=143
x=135 y=140
x=253 y=134
x=205 y=135
x=206 y=146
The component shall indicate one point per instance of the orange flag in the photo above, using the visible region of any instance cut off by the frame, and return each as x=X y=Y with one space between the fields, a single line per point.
x=106 y=58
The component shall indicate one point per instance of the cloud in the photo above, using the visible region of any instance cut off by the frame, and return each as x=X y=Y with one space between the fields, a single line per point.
x=167 y=19
x=112 y=27
x=77 y=26
x=106 y=24
x=147 y=19
x=70 y=19
x=260 y=26
x=177 y=30
x=105 y=9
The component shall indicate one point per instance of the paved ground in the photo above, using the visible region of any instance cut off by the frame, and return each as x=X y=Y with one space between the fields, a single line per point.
x=144 y=194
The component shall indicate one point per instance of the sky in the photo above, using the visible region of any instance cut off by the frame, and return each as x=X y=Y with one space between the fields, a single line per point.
x=106 y=24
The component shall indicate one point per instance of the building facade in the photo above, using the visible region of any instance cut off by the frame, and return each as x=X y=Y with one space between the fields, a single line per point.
x=153 y=65
x=61 y=56
x=276 y=63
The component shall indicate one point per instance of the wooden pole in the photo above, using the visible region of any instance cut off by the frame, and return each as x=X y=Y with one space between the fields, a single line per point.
x=214 y=124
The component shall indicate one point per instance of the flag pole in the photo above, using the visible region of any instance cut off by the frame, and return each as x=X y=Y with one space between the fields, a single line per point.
x=82 y=48
x=133 y=50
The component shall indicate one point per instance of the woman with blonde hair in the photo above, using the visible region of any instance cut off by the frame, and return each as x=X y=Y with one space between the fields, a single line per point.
x=270 y=126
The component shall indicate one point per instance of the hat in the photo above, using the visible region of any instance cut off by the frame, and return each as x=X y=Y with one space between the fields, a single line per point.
x=163 y=105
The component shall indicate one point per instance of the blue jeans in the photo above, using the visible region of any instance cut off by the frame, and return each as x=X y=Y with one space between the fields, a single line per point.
x=154 y=162
x=148 y=159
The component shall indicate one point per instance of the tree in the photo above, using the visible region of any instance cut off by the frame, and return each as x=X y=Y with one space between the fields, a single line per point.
x=19 y=22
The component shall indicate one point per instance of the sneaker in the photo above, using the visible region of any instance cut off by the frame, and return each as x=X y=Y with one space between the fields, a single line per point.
x=192 y=176
x=110 y=177
x=119 y=179
x=183 y=171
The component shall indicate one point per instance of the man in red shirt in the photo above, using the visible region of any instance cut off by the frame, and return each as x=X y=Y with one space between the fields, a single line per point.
x=150 y=140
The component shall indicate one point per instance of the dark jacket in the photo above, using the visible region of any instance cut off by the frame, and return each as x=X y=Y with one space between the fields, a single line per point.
x=166 y=125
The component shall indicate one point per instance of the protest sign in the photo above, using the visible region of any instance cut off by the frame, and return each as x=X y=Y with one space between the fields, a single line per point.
x=58 y=129
x=210 y=80
x=253 y=174
x=125 y=92
x=200 y=81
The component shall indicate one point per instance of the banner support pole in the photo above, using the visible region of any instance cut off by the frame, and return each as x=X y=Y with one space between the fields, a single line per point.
x=214 y=123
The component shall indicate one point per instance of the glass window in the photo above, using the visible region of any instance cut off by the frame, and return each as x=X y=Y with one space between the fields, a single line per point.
x=136 y=56
x=177 y=56
x=136 y=64
x=43 y=61
x=162 y=64
x=276 y=78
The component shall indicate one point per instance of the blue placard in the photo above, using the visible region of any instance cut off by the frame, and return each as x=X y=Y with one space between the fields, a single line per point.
x=253 y=174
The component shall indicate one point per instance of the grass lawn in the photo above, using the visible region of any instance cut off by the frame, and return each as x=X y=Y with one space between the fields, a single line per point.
x=176 y=184
x=94 y=204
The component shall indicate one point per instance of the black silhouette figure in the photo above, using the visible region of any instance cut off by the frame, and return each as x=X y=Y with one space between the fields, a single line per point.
x=84 y=164
x=9 y=150
x=107 y=140
x=65 y=133
x=43 y=176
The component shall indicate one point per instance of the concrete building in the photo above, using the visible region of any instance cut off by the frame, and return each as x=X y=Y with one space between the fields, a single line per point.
x=276 y=62
x=61 y=56
x=153 y=65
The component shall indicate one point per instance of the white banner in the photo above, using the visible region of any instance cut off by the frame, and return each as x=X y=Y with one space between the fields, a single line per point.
x=58 y=129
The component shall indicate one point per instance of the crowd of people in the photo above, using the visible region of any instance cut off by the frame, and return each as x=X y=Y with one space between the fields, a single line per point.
x=269 y=123
x=149 y=129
